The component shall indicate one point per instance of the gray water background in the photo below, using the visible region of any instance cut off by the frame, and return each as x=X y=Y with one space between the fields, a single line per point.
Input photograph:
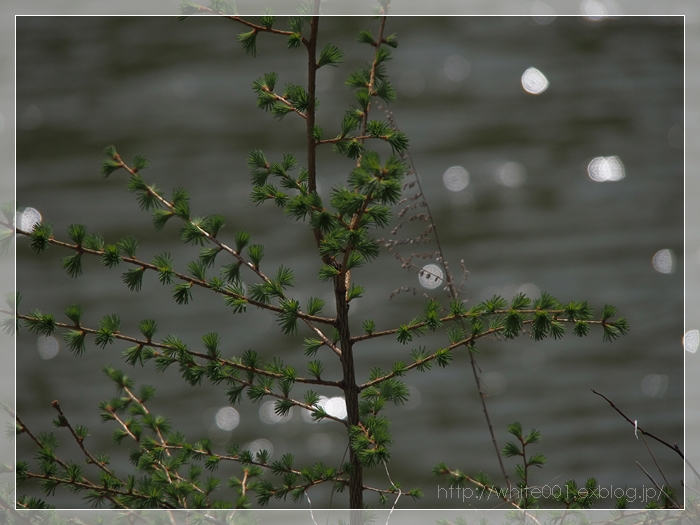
x=179 y=92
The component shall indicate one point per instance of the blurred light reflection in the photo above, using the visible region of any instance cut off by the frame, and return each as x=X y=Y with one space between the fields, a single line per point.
x=48 y=347
x=27 y=219
x=455 y=178
x=269 y=416
x=664 y=261
x=227 y=418
x=530 y=290
x=259 y=445
x=534 y=81
x=542 y=13
x=606 y=169
x=691 y=341
x=334 y=406
x=456 y=68
x=510 y=174
x=430 y=276
x=593 y=10
x=655 y=385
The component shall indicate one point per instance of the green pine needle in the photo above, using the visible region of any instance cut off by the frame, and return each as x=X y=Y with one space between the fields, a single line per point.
x=330 y=55
x=248 y=41
x=72 y=264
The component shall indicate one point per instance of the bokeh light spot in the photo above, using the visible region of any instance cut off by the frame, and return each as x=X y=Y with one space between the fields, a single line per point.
x=593 y=10
x=606 y=169
x=259 y=445
x=534 y=81
x=456 y=68
x=227 y=418
x=335 y=407
x=664 y=261
x=48 y=347
x=654 y=385
x=530 y=290
x=27 y=219
x=542 y=13
x=510 y=174
x=691 y=341
x=269 y=416
x=455 y=178
x=430 y=276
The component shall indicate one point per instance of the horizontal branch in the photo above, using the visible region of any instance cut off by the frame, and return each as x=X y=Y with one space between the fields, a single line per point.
x=429 y=358
x=188 y=279
x=346 y=138
x=464 y=342
x=448 y=318
x=237 y=459
x=106 y=492
x=258 y=27
x=153 y=344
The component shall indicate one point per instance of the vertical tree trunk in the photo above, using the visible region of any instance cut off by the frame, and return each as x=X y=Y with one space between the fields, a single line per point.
x=351 y=392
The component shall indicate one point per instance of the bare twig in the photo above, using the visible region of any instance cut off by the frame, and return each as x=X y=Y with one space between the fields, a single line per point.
x=657 y=485
x=673 y=447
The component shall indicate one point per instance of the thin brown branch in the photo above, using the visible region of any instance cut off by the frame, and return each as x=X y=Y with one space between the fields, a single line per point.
x=373 y=73
x=80 y=441
x=24 y=429
x=448 y=318
x=224 y=362
x=191 y=280
x=500 y=493
x=346 y=138
x=464 y=342
x=108 y=493
x=657 y=485
x=256 y=27
x=644 y=439
x=673 y=447
x=286 y=103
